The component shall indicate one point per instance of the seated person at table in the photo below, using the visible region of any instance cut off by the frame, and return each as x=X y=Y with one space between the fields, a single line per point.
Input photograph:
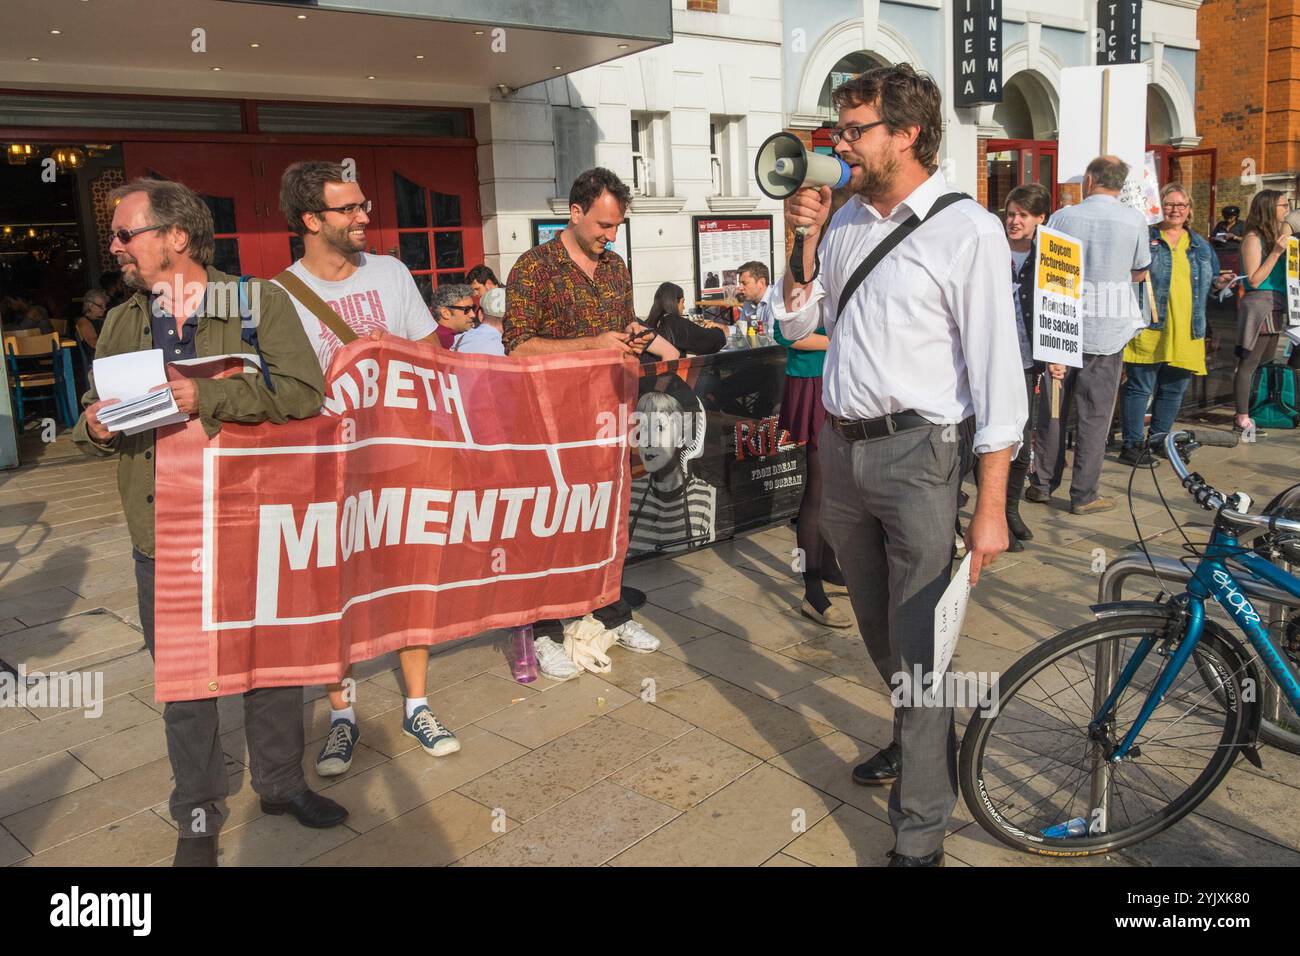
x=668 y=318
x=94 y=307
x=113 y=283
x=36 y=317
x=752 y=287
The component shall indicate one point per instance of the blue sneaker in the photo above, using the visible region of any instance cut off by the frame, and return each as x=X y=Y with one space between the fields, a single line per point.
x=429 y=731
x=336 y=755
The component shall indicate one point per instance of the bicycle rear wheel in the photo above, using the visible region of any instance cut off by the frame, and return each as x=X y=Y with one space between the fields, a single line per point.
x=1038 y=779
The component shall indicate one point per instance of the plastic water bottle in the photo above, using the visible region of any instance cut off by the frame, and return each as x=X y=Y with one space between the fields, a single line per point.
x=523 y=659
x=1071 y=828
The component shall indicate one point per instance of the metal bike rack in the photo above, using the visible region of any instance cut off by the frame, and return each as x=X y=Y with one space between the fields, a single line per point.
x=1169 y=570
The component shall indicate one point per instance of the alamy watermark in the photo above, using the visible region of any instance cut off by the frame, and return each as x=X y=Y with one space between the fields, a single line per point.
x=226 y=297
x=975 y=689
x=57 y=690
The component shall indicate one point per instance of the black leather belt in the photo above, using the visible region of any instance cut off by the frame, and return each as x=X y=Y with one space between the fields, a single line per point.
x=868 y=428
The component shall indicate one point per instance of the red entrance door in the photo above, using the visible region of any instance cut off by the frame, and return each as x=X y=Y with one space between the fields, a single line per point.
x=222 y=174
x=431 y=220
x=1015 y=162
x=425 y=202
x=280 y=247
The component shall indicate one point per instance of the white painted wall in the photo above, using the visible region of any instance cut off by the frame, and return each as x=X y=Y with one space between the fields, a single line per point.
x=719 y=64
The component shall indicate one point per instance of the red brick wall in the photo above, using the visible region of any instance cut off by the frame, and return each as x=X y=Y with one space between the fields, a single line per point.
x=982 y=171
x=708 y=6
x=1248 y=91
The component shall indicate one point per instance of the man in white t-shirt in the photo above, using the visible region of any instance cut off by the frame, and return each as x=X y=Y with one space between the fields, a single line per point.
x=376 y=295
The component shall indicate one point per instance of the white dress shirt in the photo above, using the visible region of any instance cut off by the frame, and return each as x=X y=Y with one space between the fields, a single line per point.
x=933 y=327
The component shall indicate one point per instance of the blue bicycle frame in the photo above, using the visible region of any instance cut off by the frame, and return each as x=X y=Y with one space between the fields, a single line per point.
x=1211 y=579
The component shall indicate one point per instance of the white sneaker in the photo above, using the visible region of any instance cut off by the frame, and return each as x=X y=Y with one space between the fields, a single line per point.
x=552 y=661
x=636 y=638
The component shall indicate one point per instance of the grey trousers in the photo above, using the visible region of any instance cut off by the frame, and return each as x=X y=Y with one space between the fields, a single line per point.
x=1093 y=389
x=888 y=509
x=273 y=724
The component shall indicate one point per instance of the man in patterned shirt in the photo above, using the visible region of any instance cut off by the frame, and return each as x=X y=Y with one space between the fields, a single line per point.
x=572 y=294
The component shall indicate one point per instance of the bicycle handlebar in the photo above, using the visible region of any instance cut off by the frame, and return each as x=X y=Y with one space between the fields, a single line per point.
x=1205 y=494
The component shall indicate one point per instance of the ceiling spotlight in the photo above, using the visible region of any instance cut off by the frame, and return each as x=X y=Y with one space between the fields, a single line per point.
x=478 y=33
x=302 y=16
x=254 y=45
x=369 y=77
x=55 y=33
x=419 y=56
x=34 y=59
x=557 y=68
x=622 y=46
x=216 y=69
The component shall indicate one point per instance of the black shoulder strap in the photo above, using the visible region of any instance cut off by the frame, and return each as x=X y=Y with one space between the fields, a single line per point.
x=887 y=245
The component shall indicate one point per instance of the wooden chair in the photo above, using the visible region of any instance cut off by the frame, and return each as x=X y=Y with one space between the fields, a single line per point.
x=34 y=367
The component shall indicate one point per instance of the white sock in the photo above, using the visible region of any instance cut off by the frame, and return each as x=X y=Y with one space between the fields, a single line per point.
x=412 y=703
x=346 y=714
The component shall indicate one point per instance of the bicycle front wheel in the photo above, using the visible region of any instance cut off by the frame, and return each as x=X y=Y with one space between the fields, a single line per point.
x=1035 y=768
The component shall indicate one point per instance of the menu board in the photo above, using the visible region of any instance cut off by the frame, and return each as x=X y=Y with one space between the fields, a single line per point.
x=544 y=230
x=722 y=245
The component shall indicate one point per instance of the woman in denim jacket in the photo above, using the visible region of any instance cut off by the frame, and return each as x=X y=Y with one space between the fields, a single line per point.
x=1164 y=356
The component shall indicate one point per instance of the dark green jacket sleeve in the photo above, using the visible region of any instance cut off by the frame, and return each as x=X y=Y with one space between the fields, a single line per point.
x=289 y=357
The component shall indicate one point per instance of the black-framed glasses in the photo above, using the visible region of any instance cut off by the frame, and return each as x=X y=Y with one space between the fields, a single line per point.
x=124 y=236
x=350 y=210
x=851 y=134
x=467 y=309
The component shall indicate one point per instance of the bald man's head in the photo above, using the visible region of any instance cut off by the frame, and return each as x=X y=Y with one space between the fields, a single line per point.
x=1107 y=174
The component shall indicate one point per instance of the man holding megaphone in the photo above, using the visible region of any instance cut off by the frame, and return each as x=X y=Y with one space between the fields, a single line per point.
x=910 y=281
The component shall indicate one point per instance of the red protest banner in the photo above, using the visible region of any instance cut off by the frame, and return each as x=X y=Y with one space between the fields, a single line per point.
x=436 y=496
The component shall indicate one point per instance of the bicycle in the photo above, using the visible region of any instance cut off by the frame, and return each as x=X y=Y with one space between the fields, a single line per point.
x=1103 y=735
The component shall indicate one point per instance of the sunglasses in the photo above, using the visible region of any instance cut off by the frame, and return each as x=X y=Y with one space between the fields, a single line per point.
x=467 y=309
x=124 y=236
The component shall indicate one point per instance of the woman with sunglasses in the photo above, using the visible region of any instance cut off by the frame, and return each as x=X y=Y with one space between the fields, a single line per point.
x=1163 y=357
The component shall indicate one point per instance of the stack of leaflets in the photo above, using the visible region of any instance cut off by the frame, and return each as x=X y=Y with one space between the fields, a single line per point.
x=132 y=378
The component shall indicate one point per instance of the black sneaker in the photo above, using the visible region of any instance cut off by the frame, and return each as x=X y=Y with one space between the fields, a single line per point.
x=1138 y=457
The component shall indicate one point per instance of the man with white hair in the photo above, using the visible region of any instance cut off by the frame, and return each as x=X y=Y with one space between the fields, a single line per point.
x=485 y=338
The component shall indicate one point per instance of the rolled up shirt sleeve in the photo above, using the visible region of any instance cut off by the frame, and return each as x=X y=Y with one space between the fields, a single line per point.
x=980 y=299
x=801 y=322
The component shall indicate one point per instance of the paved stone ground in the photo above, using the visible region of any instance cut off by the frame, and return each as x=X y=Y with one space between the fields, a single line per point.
x=758 y=714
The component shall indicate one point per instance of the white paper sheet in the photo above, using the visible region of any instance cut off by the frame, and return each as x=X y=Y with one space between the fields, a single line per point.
x=949 y=615
x=129 y=378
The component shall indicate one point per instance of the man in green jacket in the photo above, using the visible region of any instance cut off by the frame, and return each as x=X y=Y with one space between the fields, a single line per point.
x=162 y=239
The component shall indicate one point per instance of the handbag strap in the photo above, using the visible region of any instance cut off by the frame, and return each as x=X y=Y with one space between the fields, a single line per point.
x=316 y=305
x=887 y=245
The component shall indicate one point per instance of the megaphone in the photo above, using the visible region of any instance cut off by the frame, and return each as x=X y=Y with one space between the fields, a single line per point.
x=784 y=166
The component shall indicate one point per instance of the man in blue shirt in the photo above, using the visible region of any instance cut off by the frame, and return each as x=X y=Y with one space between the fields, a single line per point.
x=1116 y=254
